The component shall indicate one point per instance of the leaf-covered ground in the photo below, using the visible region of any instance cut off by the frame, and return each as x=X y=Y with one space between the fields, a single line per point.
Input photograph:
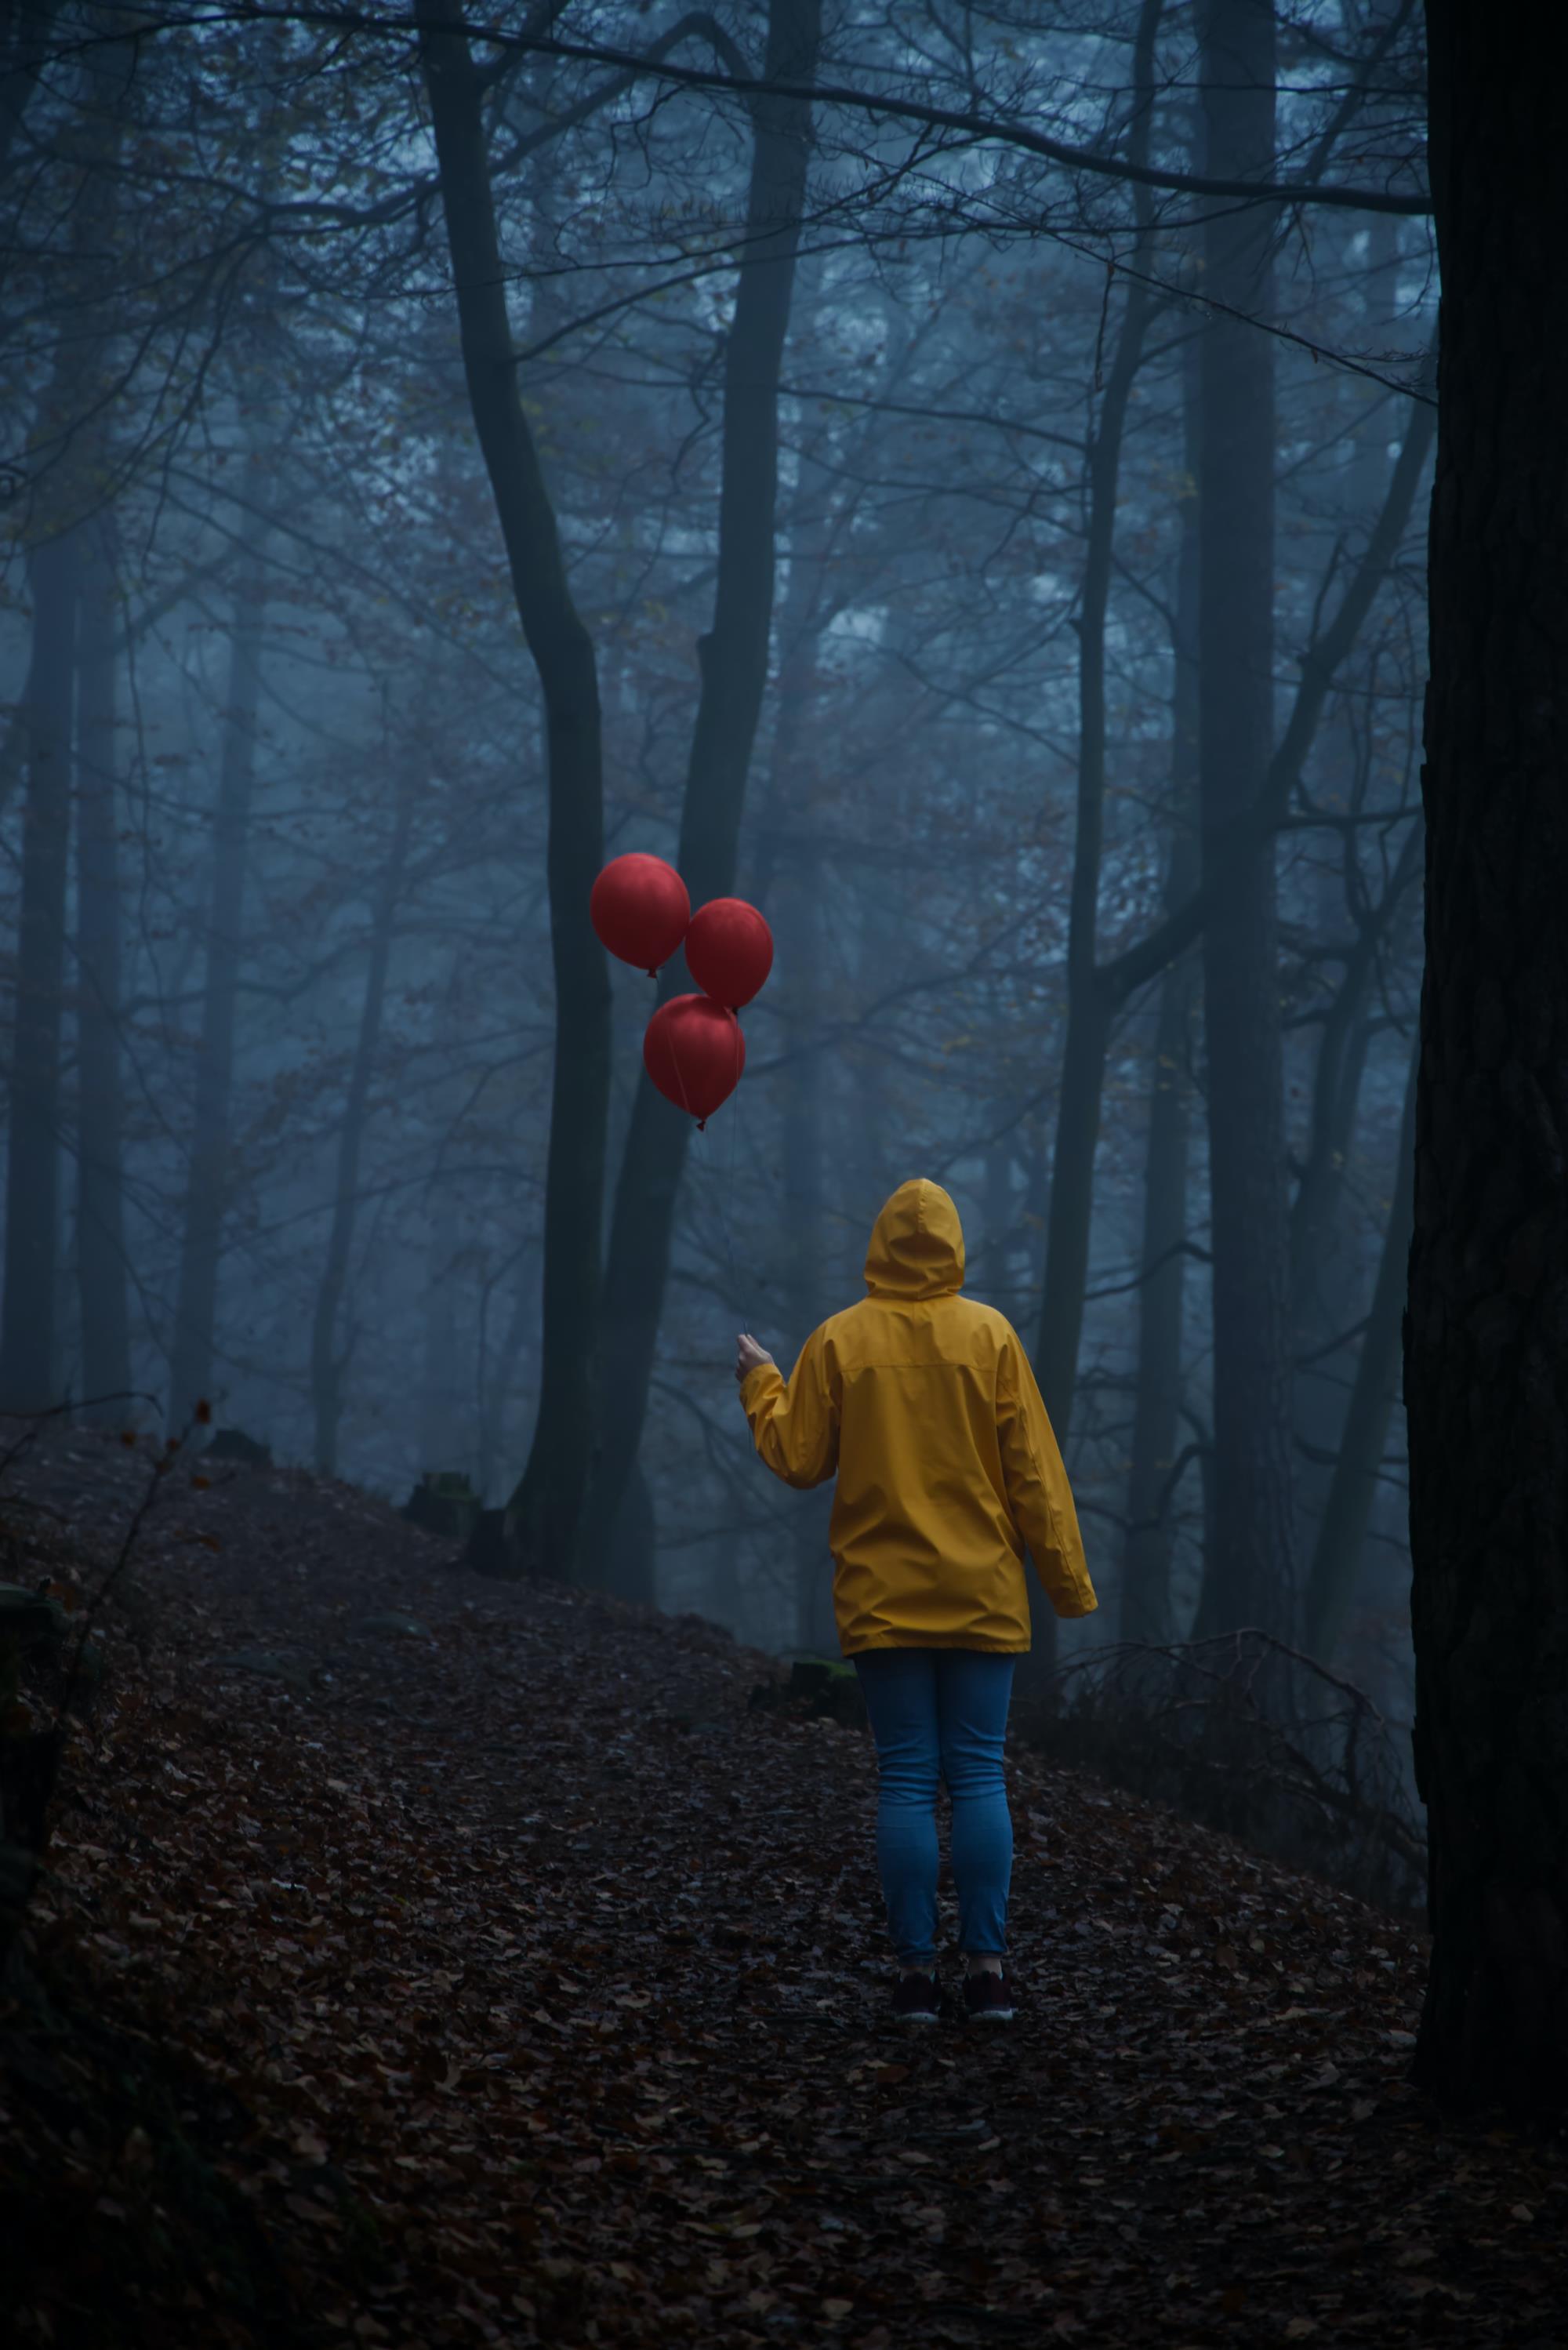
x=473 y=1963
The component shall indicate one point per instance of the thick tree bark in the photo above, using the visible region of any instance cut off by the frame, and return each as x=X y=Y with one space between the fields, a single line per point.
x=208 y=1176
x=100 y=1200
x=1487 y=1333
x=29 y=1373
x=1342 y=1533
x=1326 y=1282
x=542 y=1518
x=1146 y=1562
x=734 y=659
x=1250 y=1577
x=329 y=1364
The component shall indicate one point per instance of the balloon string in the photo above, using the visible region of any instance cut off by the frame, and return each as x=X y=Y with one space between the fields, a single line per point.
x=726 y=1189
x=735 y=1290
x=726 y=1196
x=685 y=1098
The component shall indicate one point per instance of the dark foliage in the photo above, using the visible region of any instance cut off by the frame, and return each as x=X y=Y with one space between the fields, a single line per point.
x=1255 y=1738
x=474 y=1963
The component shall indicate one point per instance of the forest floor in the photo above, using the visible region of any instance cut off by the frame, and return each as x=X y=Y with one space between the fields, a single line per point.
x=427 y=1960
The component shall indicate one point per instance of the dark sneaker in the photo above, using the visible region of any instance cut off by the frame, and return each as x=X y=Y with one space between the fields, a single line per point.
x=916 y=1999
x=988 y=1999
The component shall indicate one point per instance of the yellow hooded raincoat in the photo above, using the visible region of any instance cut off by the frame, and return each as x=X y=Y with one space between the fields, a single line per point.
x=924 y=1404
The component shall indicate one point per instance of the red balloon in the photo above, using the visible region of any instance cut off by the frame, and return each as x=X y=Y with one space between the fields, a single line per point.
x=728 y=950
x=693 y=1050
x=639 y=909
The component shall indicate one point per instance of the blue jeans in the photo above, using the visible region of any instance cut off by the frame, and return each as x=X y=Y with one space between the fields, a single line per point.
x=941 y=1713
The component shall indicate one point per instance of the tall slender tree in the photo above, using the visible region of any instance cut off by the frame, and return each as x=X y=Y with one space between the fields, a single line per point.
x=542 y=1520
x=29 y=1367
x=1342 y=1533
x=329 y=1359
x=1091 y=1002
x=1150 y=1544
x=733 y=656
x=1091 y=998
x=796 y=822
x=209 y=1175
x=101 y=1124
x=63 y=495
x=1250 y=1576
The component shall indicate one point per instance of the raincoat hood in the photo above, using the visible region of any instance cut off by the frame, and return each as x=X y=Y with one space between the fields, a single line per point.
x=916 y=1244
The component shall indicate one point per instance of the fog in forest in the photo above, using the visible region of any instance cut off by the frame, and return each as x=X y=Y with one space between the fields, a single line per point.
x=436 y=466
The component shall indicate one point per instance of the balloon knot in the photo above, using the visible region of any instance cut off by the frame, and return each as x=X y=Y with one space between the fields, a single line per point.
x=702 y=1126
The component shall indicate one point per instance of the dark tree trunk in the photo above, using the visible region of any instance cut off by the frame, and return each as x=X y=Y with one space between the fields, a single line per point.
x=542 y=1517
x=101 y=1201
x=28 y=1372
x=1486 y=1334
x=441 y=1446
x=128 y=630
x=1326 y=1285
x=801 y=1159
x=1342 y=1533
x=1319 y=1294
x=734 y=662
x=502 y=1377
x=791 y=869
x=1091 y=1000
x=66 y=460
x=878 y=940
x=208 y=1177
x=1250 y=1576
x=27 y=51
x=1146 y=1566
x=1151 y=1487
x=329 y=1363
x=630 y=1571
x=1091 y=997
x=14 y=745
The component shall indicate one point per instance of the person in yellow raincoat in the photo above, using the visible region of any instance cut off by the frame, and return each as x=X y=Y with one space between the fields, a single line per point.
x=922 y=1403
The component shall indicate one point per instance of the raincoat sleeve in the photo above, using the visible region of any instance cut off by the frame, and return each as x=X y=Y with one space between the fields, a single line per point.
x=1038 y=1492
x=794 y=1427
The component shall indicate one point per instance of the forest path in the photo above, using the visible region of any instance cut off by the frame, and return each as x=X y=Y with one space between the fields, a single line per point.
x=528 y=1984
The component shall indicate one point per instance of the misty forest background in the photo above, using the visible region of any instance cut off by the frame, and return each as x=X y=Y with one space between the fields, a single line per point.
x=1009 y=574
